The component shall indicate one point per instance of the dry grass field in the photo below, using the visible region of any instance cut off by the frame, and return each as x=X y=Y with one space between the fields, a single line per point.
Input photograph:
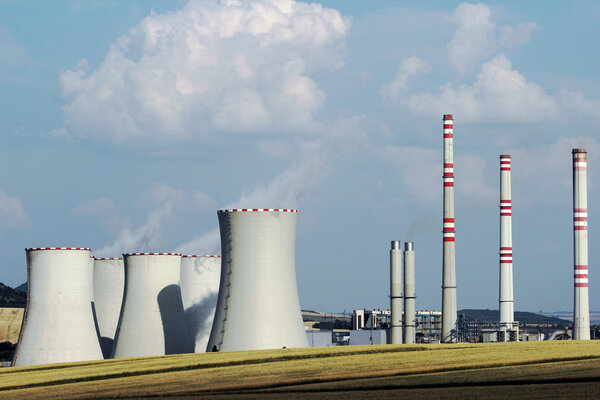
x=10 y=323
x=532 y=370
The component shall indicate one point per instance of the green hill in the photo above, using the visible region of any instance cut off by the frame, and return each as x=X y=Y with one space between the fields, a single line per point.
x=10 y=297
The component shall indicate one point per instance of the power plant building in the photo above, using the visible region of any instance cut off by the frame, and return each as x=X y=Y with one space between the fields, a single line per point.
x=58 y=324
x=152 y=321
x=258 y=305
x=109 y=284
x=199 y=282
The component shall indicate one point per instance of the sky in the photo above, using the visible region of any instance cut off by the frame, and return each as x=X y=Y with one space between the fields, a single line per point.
x=124 y=126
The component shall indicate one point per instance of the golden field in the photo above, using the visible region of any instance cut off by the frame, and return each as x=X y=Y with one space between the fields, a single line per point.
x=10 y=323
x=532 y=369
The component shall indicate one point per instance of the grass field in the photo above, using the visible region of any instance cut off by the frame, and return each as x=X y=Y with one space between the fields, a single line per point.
x=533 y=370
x=10 y=323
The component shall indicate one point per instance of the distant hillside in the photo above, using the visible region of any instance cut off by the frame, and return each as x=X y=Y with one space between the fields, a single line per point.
x=10 y=297
x=22 y=287
x=522 y=316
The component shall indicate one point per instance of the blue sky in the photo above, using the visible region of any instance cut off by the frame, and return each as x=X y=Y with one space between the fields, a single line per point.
x=126 y=125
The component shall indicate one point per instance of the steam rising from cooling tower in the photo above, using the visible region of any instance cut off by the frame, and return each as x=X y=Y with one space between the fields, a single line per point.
x=58 y=325
x=449 y=311
x=199 y=291
x=581 y=312
x=396 y=292
x=258 y=305
x=506 y=299
x=152 y=321
x=109 y=284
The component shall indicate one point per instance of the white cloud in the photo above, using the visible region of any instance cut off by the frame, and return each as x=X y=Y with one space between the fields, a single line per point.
x=410 y=66
x=203 y=200
x=421 y=171
x=476 y=37
x=211 y=66
x=11 y=210
x=98 y=207
x=499 y=94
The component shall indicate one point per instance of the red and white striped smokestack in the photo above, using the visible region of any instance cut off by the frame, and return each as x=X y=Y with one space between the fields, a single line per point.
x=581 y=313
x=449 y=312
x=506 y=267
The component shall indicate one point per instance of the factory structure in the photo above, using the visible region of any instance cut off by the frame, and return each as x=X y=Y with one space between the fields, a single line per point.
x=82 y=308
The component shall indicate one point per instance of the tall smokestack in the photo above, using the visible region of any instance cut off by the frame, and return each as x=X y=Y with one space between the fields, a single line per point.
x=409 y=293
x=396 y=291
x=506 y=282
x=581 y=313
x=449 y=314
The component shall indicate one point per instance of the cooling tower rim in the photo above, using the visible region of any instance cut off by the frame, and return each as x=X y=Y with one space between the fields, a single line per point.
x=107 y=258
x=201 y=255
x=57 y=248
x=230 y=210
x=151 y=254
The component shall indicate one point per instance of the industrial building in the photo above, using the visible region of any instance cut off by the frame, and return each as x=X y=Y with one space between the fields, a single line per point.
x=199 y=280
x=152 y=321
x=109 y=285
x=258 y=305
x=58 y=324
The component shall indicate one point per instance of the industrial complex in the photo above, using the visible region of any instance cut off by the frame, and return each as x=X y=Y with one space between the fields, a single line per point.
x=83 y=308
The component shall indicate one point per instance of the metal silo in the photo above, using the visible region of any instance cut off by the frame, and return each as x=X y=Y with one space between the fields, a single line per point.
x=109 y=283
x=152 y=320
x=258 y=305
x=199 y=290
x=58 y=325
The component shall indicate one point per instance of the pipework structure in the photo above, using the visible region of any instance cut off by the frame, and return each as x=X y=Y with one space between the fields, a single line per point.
x=449 y=310
x=109 y=284
x=396 y=292
x=152 y=321
x=58 y=324
x=410 y=323
x=581 y=312
x=199 y=280
x=258 y=305
x=506 y=299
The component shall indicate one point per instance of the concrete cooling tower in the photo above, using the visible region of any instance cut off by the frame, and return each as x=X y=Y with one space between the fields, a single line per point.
x=109 y=283
x=58 y=325
x=199 y=291
x=258 y=306
x=152 y=320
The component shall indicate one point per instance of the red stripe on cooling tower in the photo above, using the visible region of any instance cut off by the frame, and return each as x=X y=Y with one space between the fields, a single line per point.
x=448 y=165
x=447 y=116
x=446 y=220
x=580 y=228
x=505 y=201
x=448 y=126
x=505 y=261
x=448 y=175
x=448 y=229
x=448 y=136
x=505 y=169
x=504 y=162
x=449 y=184
x=580 y=276
x=580 y=210
x=579 y=218
x=581 y=285
x=505 y=248
x=581 y=266
x=448 y=239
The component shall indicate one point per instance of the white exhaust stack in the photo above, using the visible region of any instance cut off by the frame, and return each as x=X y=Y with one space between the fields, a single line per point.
x=258 y=305
x=152 y=322
x=58 y=325
x=109 y=284
x=199 y=292
x=449 y=311
x=396 y=292
x=581 y=313
x=410 y=323
x=506 y=267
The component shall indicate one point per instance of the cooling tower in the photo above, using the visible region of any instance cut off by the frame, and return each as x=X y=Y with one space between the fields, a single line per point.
x=410 y=323
x=109 y=283
x=581 y=312
x=506 y=300
x=449 y=311
x=258 y=306
x=396 y=292
x=58 y=325
x=199 y=292
x=152 y=320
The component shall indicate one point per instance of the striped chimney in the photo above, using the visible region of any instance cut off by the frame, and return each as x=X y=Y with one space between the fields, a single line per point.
x=506 y=267
x=581 y=312
x=449 y=312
